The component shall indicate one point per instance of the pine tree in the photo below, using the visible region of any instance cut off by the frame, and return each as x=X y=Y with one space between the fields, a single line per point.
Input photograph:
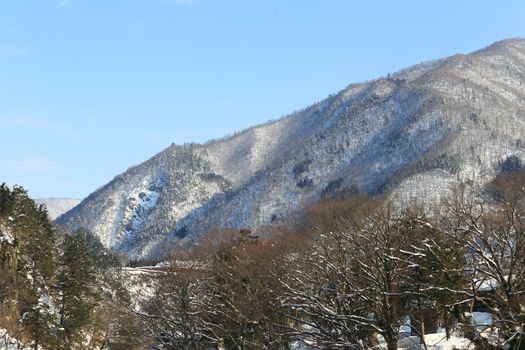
x=76 y=288
x=31 y=264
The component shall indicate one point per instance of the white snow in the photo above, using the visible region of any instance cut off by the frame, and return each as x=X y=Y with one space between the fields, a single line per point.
x=140 y=285
x=6 y=236
x=45 y=301
x=436 y=341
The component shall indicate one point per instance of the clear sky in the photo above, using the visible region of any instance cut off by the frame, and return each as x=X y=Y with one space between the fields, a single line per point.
x=89 y=88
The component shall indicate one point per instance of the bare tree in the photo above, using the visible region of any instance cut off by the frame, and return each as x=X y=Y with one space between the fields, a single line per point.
x=493 y=231
x=176 y=315
x=355 y=274
x=221 y=293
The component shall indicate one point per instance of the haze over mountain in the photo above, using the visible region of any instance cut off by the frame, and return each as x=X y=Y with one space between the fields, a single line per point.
x=57 y=206
x=414 y=132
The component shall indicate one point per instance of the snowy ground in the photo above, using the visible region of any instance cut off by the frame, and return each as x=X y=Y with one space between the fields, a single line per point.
x=436 y=341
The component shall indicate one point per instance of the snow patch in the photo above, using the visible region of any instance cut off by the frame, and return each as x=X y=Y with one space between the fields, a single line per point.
x=436 y=341
x=6 y=237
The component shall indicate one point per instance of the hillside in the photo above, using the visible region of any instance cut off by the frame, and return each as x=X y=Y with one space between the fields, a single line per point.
x=414 y=133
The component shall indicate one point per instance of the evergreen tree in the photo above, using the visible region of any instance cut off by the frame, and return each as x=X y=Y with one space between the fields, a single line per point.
x=49 y=281
x=102 y=257
x=76 y=283
x=435 y=279
x=31 y=264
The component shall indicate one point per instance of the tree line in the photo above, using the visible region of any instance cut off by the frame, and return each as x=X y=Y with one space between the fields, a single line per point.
x=346 y=274
x=350 y=273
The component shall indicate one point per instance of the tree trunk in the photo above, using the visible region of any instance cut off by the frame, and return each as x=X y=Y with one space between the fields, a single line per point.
x=62 y=309
x=391 y=340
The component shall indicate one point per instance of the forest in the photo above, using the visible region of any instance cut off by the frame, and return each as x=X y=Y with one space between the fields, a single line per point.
x=348 y=272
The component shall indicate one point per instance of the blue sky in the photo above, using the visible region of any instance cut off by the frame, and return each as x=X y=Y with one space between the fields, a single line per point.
x=89 y=88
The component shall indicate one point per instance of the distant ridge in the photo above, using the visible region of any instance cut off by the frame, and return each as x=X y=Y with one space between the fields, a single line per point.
x=412 y=133
x=58 y=206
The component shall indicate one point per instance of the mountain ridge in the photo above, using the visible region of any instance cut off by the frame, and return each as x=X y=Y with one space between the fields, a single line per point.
x=412 y=132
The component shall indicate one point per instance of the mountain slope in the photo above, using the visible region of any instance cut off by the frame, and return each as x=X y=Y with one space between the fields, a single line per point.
x=413 y=133
x=58 y=206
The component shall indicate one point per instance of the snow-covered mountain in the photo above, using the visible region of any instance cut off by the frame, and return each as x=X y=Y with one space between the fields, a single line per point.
x=57 y=206
x=414 y=132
